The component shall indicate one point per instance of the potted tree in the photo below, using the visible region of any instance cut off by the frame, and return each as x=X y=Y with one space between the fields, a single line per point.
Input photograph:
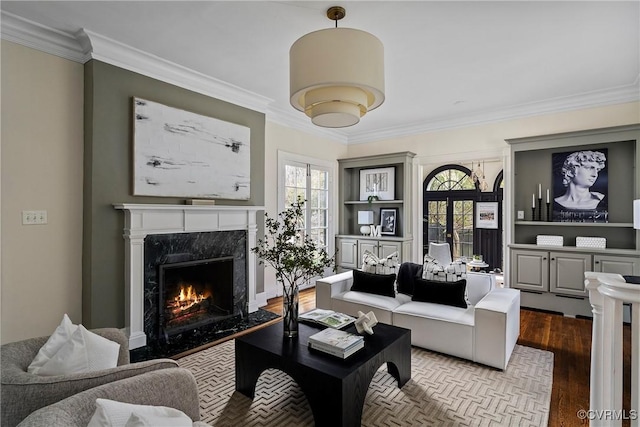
x=294 y=256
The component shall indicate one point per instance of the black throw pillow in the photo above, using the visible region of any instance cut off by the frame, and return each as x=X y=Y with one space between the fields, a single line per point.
x=437 y=292
x=379 y=284
x=407 y=275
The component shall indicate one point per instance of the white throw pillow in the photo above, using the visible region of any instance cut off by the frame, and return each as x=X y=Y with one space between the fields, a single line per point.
x=433 y=270
x=60 y=336
x=139 y=420
x=111 y=413
x=72 y=349
x=84 y=352
x=372 y=264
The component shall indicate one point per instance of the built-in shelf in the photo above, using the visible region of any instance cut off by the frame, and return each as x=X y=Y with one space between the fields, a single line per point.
x=374 y=202
x=577 y=224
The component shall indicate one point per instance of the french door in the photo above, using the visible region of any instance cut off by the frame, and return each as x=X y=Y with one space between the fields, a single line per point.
x=450 y=220
x=309 y=180
x=311 y=183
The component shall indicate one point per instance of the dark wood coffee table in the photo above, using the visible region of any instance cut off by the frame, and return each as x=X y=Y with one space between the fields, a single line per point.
x=335 y=388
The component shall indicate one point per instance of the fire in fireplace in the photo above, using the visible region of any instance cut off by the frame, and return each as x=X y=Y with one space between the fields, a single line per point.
x=193 y=294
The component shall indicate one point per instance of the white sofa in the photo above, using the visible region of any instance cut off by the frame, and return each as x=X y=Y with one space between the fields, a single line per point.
x=485 y=332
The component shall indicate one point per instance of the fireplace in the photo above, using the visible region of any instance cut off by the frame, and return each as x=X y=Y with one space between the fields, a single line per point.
x=209 y=268
x=194 y=294
x=204 y=227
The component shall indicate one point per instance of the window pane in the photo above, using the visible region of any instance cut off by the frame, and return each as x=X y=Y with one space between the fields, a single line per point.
x=451 y=179
x=322 y=199
x=290 y=196
x=301 y=177
x=289 y=175
x=437 y=222
x=462 y=228
x=301 y=194
x=314 y=198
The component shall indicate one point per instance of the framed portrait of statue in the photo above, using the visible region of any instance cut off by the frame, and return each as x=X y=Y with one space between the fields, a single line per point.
x=580 y=186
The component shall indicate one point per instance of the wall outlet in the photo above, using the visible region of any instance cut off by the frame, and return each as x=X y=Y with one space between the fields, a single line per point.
x=520 y=214
x=34 y=217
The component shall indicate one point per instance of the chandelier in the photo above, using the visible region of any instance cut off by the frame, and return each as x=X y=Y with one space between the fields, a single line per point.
x=336 y=74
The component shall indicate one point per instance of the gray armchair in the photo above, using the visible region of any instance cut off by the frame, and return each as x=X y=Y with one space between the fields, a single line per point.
x=23 y=393
x=175 y=388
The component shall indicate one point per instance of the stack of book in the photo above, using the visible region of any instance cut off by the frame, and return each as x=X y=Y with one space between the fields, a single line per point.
x=336 y=342
x=329 y=318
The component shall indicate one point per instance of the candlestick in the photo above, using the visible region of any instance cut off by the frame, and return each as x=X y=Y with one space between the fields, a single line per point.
x=533 y=200
x=533 y=213
x=539 y=208
x=539 y=191
x=548 y=205
x=547 y=196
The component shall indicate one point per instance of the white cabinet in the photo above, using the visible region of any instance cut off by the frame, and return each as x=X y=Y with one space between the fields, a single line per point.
x=624 y=265
x=350 y=250
x=530 y=270
x=380 y=248
x=550 y=271
x=566 y=272
x=347 y=255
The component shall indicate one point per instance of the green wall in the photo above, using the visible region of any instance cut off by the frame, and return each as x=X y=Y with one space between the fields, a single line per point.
x=108 y=169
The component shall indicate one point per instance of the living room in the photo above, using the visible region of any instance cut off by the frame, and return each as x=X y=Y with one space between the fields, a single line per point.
x=67 y=148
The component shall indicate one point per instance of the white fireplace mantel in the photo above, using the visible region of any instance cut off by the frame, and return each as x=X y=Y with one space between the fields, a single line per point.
x=144 y=219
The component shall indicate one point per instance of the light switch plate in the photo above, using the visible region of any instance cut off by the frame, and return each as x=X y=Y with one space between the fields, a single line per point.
x=34 y=217
x=520 y=214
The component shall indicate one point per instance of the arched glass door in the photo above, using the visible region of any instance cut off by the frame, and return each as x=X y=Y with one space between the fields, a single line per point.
x=448 y=211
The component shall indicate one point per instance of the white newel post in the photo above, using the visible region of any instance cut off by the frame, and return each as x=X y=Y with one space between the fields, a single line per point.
x=596 y=382
x=144 y=219
x=610 y=292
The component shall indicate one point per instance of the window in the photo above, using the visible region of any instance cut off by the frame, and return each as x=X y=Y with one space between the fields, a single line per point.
x=310 y=180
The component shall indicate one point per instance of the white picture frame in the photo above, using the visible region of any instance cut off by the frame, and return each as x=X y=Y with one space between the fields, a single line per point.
x=378 y=183
x=178 y=153
x=487 y=215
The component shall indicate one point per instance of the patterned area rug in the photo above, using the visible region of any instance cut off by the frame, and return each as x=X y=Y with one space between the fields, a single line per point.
x=443 y=391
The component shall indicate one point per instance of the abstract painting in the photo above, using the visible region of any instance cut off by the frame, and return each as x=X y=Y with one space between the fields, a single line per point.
x=182 y=154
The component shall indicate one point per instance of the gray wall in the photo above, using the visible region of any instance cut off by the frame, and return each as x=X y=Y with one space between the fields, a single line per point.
x=108 y=169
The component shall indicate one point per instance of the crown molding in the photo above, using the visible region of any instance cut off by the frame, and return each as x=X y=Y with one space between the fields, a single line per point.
x=599 y=98
x=107 y=50
x=86 y=45
x=36 y=36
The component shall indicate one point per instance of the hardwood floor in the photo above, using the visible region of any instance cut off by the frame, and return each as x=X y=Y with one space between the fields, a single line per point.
x=570 y=341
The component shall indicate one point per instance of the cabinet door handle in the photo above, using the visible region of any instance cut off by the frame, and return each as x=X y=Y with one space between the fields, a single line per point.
x=544 y=258
x=553 y=259
x=597 y=262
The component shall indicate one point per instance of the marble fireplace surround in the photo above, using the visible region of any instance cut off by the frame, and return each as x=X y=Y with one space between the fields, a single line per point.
x=145 y=219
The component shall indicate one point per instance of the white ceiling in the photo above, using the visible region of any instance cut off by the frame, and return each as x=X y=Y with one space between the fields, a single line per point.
x=446 y=63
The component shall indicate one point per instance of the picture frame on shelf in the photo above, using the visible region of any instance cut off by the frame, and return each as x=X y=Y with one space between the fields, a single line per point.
x=389 y=221
x=377 y=184
x=487 y=215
